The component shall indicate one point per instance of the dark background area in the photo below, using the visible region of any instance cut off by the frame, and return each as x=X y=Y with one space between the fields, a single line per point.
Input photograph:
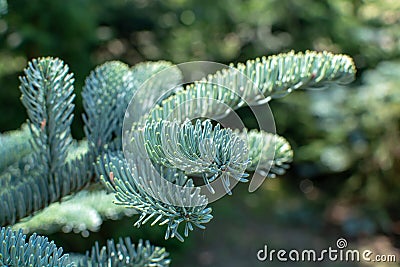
x=344 y=181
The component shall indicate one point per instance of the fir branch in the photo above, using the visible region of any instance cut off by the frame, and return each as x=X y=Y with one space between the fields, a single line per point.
x=47 y=94
x=107 y=93
x=255 y=82
x=13 y=146
x=23 y=191
x=17 y=172
x=67 y=215
x=142 y=190
x=105 y=97
x=161 y=78
x=29 y=191
x=195 y=150
x=125 y=254
x=212 y=152
x=22 y=199
x=269 y=153
x=37 y=252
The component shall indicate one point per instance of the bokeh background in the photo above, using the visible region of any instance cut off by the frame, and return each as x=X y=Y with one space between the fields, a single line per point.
x=345 y=178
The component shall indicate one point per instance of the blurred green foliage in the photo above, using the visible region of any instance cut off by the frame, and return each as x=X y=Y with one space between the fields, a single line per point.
x=346 y=141
x=357 y=137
